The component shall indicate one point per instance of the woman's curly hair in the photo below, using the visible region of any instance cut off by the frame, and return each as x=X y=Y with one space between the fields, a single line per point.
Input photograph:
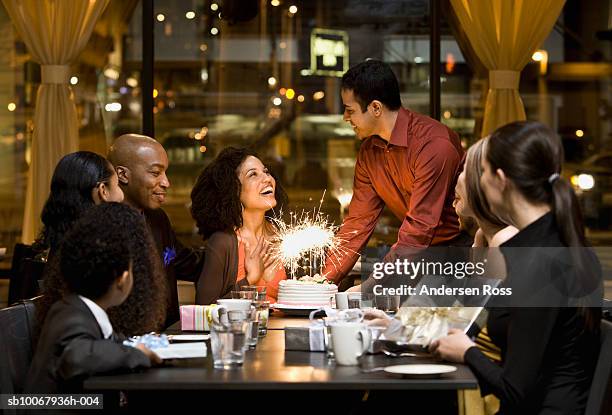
x=101 y=245
x=215 y=198
x=74 y=178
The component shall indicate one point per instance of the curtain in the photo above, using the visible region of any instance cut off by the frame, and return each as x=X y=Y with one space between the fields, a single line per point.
x=504 y=34
x=55 y=32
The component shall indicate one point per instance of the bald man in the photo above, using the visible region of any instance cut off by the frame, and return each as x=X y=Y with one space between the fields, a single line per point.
x=141 y=164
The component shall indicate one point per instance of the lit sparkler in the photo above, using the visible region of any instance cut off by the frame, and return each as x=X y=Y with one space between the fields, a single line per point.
x=305 y=241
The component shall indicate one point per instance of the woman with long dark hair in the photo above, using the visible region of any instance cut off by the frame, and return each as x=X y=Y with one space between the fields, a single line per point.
x=549 y=342
x=229 y=203
x=80 y=180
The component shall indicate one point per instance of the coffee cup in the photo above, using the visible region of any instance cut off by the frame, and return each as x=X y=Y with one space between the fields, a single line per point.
x=342 y=301
x=349 y=341
x=219 y=314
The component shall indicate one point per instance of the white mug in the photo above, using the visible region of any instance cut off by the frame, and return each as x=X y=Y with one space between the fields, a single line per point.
x=349 y=341
x=341 y=301
x=219 y=314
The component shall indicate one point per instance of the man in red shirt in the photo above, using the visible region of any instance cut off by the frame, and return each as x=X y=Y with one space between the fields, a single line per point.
x=407 y=161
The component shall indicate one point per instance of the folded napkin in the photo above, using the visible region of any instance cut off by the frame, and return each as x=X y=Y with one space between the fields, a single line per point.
x=196 y=317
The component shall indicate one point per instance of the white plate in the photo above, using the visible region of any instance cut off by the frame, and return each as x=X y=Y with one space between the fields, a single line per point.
x=295 y=306
x=295 y=310
x=420 y=370
x=188 y=337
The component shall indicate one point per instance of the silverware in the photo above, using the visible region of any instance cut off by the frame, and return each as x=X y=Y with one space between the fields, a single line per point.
x=402 y=354
x=373 y=369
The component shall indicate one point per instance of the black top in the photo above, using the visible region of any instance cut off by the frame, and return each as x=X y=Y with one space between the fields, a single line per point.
x=179 y=262
x=548 y=357
x=71 y=348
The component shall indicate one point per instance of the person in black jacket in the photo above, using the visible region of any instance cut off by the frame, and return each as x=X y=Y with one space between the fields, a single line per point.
x=141 y=164
x=77 y=339
x=549 y=341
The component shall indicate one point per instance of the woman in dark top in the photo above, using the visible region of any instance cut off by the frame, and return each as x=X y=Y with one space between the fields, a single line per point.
x=80 y=180
x=230 y=203
x=549 y=345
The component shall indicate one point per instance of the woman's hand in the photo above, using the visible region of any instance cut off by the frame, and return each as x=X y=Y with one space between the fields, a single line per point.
x=270 y=265
x=254 y=260
x=377 y=318
x=354 y=289
x=452 y=347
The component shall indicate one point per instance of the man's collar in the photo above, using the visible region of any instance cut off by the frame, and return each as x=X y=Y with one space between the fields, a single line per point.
x=399 y=135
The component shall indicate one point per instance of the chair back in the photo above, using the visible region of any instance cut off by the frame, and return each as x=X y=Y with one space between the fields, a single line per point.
x=25 y=273
x=20 y=331
x=600 y=395
x=607 y=309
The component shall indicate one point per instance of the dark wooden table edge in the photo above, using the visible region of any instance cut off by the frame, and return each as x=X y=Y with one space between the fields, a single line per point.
x=101 y=384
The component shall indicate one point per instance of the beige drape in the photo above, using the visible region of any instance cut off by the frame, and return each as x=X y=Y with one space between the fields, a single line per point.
x=55 y=32
x=504 y=34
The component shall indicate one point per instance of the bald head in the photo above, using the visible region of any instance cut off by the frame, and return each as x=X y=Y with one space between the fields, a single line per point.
x=126 y=148
x=141 y=164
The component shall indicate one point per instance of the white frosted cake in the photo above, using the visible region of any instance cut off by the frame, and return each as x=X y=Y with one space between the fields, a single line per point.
x=308 y=291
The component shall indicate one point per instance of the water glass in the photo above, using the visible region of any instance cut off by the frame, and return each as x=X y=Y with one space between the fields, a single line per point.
x=252 y=325
x=228 y=344
x=327 y=337
x=253 y=335
x=244 y=294
x=387 y=303
x=367 y=300
x=354 y=300
x=375 y=333
x=263 y=313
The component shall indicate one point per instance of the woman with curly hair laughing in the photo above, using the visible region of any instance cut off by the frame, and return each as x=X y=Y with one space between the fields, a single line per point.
x=230 y=201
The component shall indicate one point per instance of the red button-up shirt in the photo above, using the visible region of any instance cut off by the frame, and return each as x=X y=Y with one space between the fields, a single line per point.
x=415 y=176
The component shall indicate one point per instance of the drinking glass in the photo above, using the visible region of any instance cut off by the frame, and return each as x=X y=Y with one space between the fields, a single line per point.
x=367 y=300
x=327 y=337
x=263 y=313
x=252 y=325
x=228 y=344
x=387 y=303
x=354 y=300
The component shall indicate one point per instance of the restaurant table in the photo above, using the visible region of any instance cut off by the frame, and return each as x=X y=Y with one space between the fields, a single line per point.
x=271 y=367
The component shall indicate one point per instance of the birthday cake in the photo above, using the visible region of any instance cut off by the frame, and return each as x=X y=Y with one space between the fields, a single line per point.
x=314 y=291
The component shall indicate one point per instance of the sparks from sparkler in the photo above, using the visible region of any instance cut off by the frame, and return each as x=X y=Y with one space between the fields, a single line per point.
x=308 y=236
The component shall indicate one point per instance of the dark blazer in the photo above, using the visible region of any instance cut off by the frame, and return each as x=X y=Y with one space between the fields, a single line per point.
x=220 y=269
x=71 y=347
x=180 y=262
x=548 y=355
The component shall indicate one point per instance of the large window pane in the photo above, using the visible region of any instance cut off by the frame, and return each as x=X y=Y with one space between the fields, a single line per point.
x=267 y=74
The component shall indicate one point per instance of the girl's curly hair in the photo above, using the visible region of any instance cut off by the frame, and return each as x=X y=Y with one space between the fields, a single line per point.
x=75 y=176
x=215 y=198
x=94 y=252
